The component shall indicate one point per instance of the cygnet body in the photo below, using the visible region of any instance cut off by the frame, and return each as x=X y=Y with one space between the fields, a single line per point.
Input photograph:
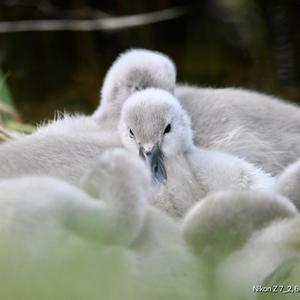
x=262 y=129
x=67 y=147
x=154 y=125
x=263 y=256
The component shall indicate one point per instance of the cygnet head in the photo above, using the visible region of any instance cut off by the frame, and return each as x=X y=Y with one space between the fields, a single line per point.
x=135 y=70
x=154 y=125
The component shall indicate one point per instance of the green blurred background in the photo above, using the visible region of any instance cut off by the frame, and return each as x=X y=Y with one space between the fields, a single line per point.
x=248 y=43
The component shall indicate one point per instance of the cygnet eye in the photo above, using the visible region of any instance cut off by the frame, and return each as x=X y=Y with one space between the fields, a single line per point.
x=138 y=88
x=131 y=134
x=167 y=129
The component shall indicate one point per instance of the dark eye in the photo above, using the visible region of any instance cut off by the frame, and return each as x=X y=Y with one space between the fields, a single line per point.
x=167 y=129
x=131 y=133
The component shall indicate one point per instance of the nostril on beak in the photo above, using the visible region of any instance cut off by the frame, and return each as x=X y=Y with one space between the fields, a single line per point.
x=148 y=153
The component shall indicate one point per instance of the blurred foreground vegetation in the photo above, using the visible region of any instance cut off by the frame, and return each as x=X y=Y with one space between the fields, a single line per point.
x=10 y=121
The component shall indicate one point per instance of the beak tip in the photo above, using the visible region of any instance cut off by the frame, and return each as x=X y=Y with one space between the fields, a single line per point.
x=154 y=158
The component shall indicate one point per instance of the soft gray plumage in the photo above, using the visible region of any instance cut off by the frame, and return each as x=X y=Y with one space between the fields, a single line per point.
x=259 y=128
x=153 y=119
x=67 y=147
x=223 y=222
x=263 y=254
x=133 y=70
x=242 y=237
x=262 y=129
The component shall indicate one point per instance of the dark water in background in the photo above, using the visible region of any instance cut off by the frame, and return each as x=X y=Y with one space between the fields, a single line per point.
x=246 y=43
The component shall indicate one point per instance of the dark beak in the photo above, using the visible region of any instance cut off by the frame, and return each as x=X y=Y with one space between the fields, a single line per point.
x=154 y=158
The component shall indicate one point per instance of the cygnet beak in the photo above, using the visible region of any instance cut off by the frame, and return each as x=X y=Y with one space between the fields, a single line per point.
x=154 y=158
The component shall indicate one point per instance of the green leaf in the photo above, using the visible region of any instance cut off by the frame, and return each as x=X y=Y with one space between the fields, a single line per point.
x=7 y=110
x=5 y=95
